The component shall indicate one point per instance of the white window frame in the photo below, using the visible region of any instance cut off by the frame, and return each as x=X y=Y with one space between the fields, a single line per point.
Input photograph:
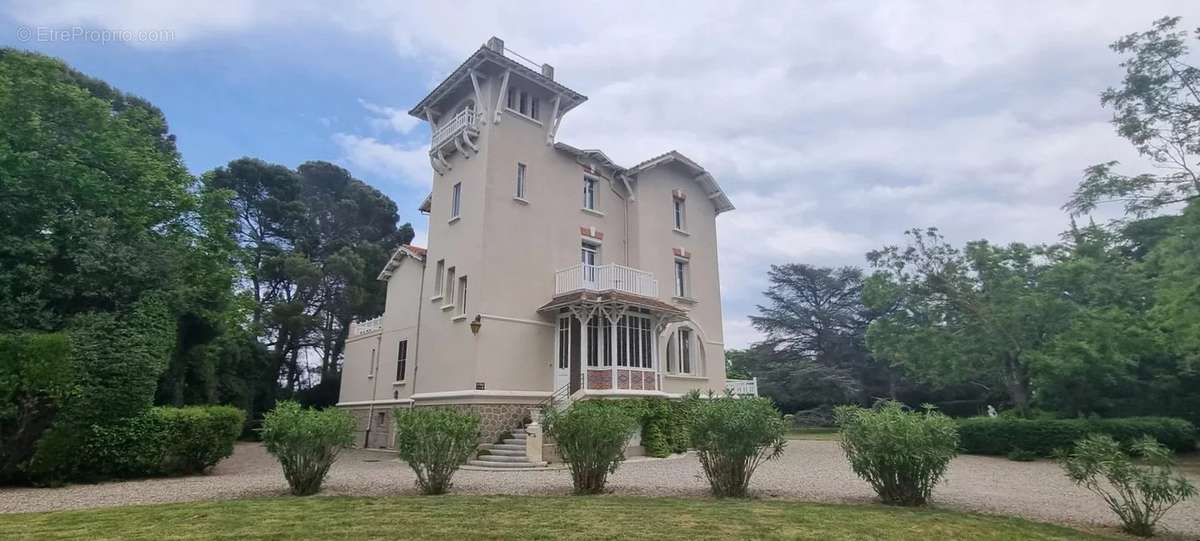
x=685 y=359
x=455 y=201
x=462 y=295
x=590 y=184
x=448 y=294
x=679 y=213
x=521 y=174
x=438 y=279
x=682 y=271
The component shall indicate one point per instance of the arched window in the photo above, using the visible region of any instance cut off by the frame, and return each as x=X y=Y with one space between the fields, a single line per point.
x=682 y=355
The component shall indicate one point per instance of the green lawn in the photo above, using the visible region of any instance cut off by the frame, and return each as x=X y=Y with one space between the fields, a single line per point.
x=505 y=517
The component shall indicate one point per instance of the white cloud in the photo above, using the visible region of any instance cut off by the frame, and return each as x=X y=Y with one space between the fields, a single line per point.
x=408 y=165
x=833 y=126
x=390 y=118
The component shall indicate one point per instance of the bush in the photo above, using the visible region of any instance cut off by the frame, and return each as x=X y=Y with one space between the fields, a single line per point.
x=902 y=453
x=733 y=436
x=163 y=441
x=1140 y=494
x=199 y=436
x=116 y=360
x=591 y=437
x=306 y=442
x=435 y=442
x=34 y=383
x=1000 y=436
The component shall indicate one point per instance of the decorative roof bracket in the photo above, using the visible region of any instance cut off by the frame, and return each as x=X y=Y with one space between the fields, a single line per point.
x=555 y=119
x=503 y=93
x=482 y=103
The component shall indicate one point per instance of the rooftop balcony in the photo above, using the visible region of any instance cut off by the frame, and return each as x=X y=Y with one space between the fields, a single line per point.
x=605 y=278
x=359 y=328
x=444 y=135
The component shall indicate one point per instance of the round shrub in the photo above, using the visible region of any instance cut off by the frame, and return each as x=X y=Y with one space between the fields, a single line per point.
x=435 y=442
x=1138 y=492
x=199 y=436
x=591 y=437
x=306 y=442
x=733 y=436
x=900 y=452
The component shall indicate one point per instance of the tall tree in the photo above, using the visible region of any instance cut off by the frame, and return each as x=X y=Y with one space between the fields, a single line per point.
x=971 y=316
x=1157 y=108
x=311 y=244
x=815 y=323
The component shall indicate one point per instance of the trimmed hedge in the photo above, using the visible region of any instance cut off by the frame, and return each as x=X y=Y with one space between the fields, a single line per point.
x=1001 y=436
x=163 y=441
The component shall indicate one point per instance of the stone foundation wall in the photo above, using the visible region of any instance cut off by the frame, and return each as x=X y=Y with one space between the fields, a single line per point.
x=494 y=419
x=381 y=425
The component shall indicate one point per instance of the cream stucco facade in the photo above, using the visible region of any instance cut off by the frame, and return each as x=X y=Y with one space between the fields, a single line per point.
x=570 y=265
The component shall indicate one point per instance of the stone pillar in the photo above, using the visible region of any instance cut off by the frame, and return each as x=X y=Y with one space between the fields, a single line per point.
x=533 y=437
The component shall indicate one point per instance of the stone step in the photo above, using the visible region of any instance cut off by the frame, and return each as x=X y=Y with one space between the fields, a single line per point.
x=504 y=452
x=506 y=465
x=513 y=441
x=518 y=435
x=502 y=458
x=506 y=447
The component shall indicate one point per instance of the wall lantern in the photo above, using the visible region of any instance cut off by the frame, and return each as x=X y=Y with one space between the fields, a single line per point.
x=476 y=324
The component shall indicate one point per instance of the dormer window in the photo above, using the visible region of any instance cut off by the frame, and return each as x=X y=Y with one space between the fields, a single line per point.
x=522 y=102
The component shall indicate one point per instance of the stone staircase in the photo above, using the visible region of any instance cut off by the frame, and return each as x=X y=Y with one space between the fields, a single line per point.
x=509 y=453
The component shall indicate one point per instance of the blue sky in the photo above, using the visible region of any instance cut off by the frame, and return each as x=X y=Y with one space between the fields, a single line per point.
x=833 y=126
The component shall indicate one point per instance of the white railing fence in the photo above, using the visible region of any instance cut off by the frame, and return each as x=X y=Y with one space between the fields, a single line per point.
x=359 y=328
x=605 y=278
x=742 y=387
x=463 y=120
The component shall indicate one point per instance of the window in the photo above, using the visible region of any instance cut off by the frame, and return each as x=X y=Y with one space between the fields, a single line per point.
x=402 y=360
x=371 y=367
x=606 y=331
x=681 y=278
x=564 y=342
x=449 y=293
x=462 y=295
x=634 y=342
x=522 y=102
x=380 y=419
x=685 y=351
x=455 y=200
x=521 y=180
x=589 y=253
x=680 y=211
x=589 y=193
x=437 y=278
x=593 y=342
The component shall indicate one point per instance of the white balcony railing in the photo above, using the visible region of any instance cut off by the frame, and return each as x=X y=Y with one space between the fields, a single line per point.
x=359 y=328
x=605 y=278
x=453 y=127
x=742 y=387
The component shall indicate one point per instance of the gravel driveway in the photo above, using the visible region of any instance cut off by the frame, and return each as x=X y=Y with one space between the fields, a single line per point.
x=808 y=470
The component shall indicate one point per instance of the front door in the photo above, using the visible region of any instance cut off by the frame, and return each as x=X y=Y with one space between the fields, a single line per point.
x=562 y=361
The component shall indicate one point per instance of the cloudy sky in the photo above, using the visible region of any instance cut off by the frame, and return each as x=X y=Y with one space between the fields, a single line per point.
x=833 y=126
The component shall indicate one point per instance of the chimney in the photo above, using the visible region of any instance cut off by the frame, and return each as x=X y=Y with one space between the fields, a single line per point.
x=496 y=44
x=548 y=71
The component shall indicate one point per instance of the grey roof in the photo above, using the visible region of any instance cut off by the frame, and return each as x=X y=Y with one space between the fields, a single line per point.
x=699 y=174
x=489 y=61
